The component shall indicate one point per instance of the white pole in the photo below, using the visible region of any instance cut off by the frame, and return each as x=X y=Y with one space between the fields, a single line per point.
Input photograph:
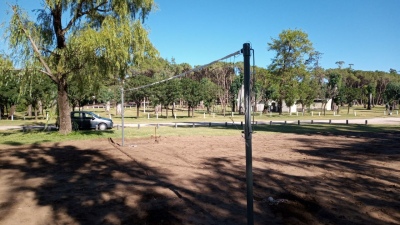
x=148 y=115
x=204 y=115
x=312 y=113
x=157 y=115
x=122 y=113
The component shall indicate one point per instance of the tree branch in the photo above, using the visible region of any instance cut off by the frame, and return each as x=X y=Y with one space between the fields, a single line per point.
x=36 y=50
x=79 y=14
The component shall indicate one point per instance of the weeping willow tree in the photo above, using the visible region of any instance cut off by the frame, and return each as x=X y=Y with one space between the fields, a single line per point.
x=104 y=37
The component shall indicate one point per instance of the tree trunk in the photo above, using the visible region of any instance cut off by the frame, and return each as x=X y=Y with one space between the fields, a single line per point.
x=369 y=101
x=280 y=104
x=137 y=110
x=12 y=111
x=63 y=107
x=36 y=112
x=29 y=110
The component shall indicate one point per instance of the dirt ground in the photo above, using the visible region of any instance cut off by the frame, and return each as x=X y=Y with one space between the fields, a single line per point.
x=298 y=179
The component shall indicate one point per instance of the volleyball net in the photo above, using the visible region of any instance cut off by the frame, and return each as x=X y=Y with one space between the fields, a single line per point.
x=199 y=68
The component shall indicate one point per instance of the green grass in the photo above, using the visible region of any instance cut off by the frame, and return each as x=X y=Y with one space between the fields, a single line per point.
x=201 y=116
x=17 y=137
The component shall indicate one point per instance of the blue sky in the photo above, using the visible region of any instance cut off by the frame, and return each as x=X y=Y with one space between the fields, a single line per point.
x=365 y=33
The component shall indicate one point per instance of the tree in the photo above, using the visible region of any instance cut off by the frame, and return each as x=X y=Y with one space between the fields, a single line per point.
x=10 y=92
x=348 y=95
x=392 y=93
x=234 y=90
x=223 y=75
x=370 y=90
x=101 y=35
x=8 y=84
x=138 y=95
x=393 y=71
x=37 y=91
x=191 y=94
x=291 y=48
x=168 y=93
x=210 y=92
x=340 y=64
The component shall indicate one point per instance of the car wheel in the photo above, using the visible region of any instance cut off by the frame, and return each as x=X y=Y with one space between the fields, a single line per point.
x=102 y=126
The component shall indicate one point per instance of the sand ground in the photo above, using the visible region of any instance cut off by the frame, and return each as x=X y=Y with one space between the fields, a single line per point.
x=345 y=178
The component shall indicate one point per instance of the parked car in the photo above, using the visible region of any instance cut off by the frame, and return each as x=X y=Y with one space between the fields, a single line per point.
x=89 y=120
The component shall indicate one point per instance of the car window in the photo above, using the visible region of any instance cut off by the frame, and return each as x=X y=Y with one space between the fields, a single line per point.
x=87 y=115
x=75 y=115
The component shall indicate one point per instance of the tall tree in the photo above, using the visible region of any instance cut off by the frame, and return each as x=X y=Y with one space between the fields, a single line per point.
x=340 y=64
x=210 y=93
x=292 y=48
x=332 y=88
x=168 y=93
x=71 y=35
x=392 y=93
x=191 y=93
x=8 y=83
x=138 y=95
x=223 y=75
x=234 y=91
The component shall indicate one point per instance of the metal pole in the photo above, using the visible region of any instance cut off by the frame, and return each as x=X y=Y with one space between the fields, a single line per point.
x=122 y=113
x=248 y=133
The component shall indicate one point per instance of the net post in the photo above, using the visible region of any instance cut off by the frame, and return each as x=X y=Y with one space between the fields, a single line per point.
x=248 y=133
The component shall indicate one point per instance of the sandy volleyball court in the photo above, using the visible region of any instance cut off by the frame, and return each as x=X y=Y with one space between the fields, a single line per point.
x=312 y=179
